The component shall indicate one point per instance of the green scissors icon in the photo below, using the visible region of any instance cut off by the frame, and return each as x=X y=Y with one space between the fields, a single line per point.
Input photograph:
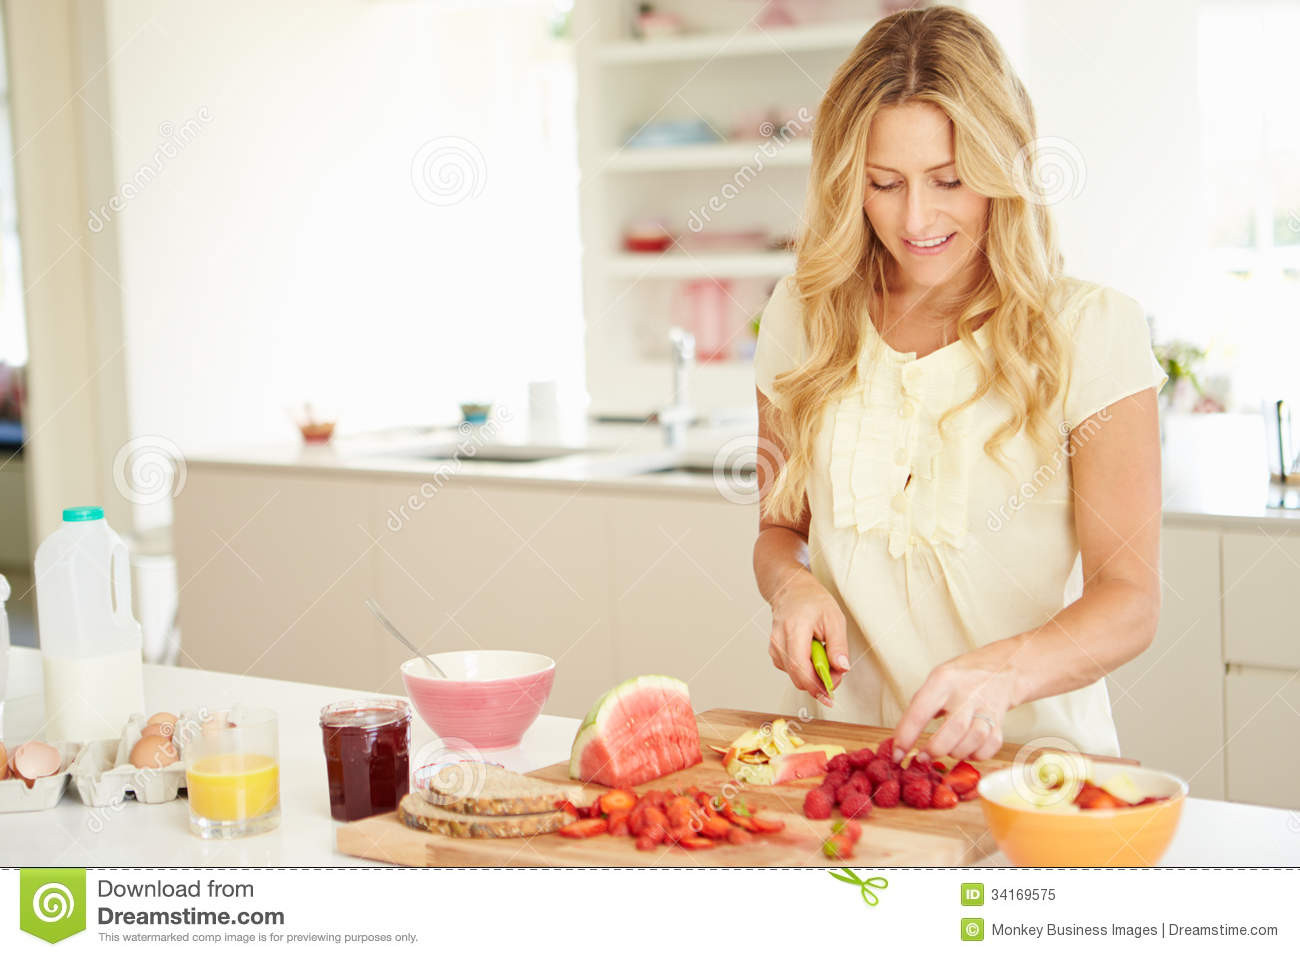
x=865 y=885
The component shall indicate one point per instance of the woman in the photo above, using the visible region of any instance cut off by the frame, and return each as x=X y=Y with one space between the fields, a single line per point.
x=951 y=426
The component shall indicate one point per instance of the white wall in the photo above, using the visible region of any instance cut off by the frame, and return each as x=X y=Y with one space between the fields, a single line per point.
x=283 y=252
x=1118 y=81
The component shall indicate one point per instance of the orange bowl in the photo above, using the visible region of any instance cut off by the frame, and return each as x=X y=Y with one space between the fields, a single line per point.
x=1049 y=837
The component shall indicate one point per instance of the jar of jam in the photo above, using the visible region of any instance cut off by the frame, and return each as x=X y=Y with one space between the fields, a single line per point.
x=367 y=755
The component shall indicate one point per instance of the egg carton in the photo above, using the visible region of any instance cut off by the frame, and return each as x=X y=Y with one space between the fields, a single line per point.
x=45 y=792
x=103 y=773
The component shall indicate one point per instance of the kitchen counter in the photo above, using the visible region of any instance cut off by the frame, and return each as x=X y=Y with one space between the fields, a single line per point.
x=1212 y=833
x=1214 y=467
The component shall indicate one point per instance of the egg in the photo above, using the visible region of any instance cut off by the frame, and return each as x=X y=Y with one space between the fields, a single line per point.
x=153 y=751
x=35 y=759
x=162 y=729
x=162 y=717
x=4 y=762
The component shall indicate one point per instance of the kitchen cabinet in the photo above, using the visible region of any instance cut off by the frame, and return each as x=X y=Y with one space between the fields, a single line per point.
x=1263 y=722
x=1168 y=702
x=685 y=601
x=272 y=571
x=1261 y=575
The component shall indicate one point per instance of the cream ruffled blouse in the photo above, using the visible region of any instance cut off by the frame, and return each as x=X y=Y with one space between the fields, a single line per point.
x=965 y=551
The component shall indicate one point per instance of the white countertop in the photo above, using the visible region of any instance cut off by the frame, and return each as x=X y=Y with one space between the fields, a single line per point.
x=1214 y=467
x=1212 y=833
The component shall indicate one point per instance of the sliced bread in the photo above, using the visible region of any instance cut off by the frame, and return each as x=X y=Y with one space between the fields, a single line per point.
x=476 y=788
x=415 y=811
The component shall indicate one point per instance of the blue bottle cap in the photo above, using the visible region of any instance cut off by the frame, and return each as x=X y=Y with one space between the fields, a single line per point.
x=84 y=513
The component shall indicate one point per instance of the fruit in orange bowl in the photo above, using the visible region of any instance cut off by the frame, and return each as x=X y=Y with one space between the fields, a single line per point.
x=1036 y=821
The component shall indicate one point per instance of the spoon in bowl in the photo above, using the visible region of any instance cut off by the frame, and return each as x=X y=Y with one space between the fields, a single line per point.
x=392 y=630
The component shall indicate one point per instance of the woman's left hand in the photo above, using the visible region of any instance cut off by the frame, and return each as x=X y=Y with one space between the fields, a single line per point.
x=975 y=691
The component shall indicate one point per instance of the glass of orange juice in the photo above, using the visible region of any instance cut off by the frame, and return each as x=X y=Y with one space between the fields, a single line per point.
x=232 y=772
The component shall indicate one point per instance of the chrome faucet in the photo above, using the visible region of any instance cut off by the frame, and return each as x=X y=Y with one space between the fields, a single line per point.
x=675 y=418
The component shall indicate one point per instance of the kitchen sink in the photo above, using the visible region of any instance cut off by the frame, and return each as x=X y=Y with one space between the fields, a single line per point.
x=744 y=473
x=490 y=452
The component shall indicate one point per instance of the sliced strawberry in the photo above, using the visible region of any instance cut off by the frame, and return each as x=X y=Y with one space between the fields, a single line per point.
x=696 y=843
x=943 y=797
x=715 y=826
x=618 y=823
x=570 y=807
x=766 y=825
x=970 y=795
x=647 y=842
x=619 y=799
x=738 y=835
x=962 y=778
x=587 y=827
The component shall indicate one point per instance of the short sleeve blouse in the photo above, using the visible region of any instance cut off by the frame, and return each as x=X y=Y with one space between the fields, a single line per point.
x=931 y=547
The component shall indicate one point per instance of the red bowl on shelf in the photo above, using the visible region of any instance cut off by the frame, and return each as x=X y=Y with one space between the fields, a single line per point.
x=488 y=699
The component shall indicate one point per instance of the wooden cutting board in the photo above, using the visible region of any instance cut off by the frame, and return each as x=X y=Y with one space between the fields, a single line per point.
x=898 y=836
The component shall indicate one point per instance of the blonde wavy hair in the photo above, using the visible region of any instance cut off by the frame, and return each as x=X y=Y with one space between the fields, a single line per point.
x=942 y=56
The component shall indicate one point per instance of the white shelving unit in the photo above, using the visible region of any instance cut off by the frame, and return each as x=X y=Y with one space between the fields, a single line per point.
x=729 y=72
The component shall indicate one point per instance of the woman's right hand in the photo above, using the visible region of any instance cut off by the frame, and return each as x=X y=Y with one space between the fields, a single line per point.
x=801 y=611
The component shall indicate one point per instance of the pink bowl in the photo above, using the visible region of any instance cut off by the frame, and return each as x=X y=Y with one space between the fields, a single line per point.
x=488 y=699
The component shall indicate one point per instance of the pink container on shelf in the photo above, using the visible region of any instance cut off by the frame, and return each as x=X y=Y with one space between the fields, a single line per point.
x=707 y=305
x=488 y=700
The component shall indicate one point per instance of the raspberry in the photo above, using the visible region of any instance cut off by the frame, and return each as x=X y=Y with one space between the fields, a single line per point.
x=943 y=797
x=879 y=770
x=855 y=803
x=858 y=759
x=917 y=790
x=840 y=762
x=844 y=789
x=886 y=749
x=818 y=804
x=834 y=779
x=862 y=781
x=887 y=793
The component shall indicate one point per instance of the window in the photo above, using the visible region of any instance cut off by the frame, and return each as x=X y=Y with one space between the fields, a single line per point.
x=1251 y=149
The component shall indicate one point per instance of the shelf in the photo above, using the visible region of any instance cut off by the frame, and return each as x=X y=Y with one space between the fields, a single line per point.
x=681 y=265
x=794 y=154
x=755 y=42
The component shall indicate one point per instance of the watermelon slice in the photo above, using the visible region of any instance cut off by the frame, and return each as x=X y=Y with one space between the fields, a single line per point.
x=639 y=730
